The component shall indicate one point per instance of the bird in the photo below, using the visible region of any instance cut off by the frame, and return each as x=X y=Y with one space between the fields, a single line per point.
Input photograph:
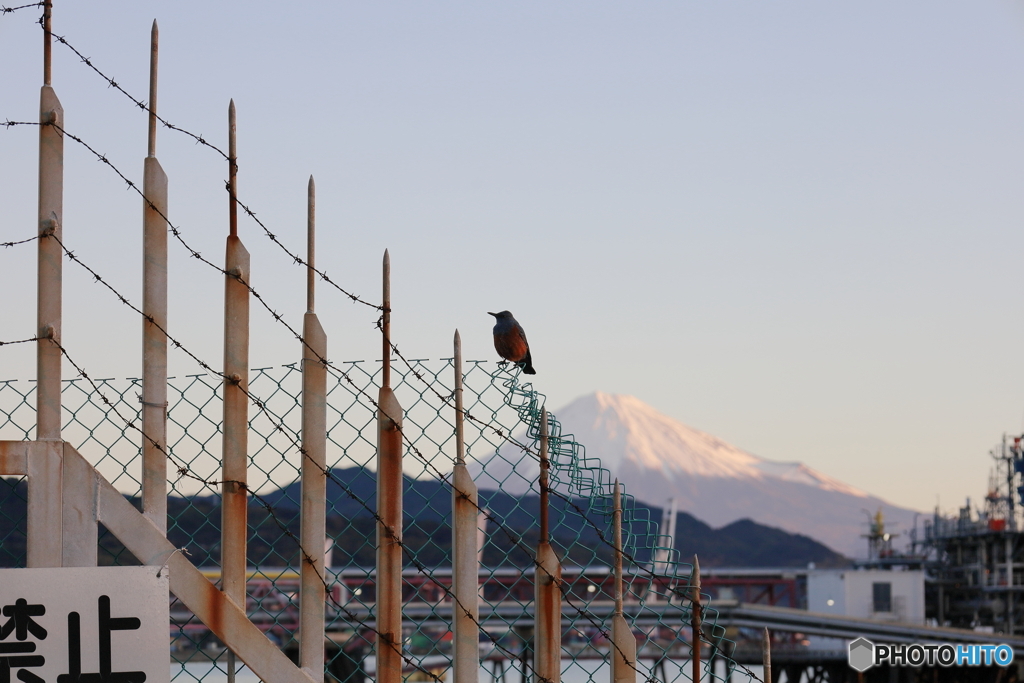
x=510 y=341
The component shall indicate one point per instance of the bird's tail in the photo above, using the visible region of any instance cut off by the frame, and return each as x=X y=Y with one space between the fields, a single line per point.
x=527 y=364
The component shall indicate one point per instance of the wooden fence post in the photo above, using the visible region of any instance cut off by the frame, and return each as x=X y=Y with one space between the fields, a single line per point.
x=313 y=521
x=389 y=510
x=234 y=500
x=154 y=321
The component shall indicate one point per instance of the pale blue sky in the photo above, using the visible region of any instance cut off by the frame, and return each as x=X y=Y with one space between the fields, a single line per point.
x=791 y=224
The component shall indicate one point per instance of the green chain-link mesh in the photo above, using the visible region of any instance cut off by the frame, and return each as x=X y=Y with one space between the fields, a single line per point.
x=502 y=442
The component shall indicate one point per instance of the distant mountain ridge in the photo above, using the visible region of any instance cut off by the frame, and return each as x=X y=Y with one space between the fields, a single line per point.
x=745 y=543
x=742 y=543
x=658 y=458
x=195 y=526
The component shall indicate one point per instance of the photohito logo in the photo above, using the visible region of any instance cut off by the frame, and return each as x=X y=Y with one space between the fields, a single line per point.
x=863 y=654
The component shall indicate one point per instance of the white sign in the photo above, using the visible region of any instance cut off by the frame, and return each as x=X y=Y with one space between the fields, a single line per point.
x=84 y=625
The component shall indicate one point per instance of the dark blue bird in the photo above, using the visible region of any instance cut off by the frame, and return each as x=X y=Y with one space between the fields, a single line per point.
x=510 y=341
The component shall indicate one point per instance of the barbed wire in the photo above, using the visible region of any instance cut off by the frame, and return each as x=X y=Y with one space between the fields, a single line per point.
x=269 y=234
x=513 y=536
x=16 y=243
x=19 y=341
x=175 y=231
x=294 y=257
x=279 y=426
x=199 y=139
x=8 y=10
x=517 y=540
x=124 y=300
x=508 y=438
x=184 y=470
x=650 y=574
x=260 y=405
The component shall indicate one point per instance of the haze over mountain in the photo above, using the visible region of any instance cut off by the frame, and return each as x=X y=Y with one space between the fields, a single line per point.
x=658 y=458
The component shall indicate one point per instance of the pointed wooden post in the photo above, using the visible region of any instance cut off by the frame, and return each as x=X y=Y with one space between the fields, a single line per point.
x=389 y=509
x=44 y=524
x=313 y=521
x=547 y=580
x=695 y=620
x=51 y=257
x=766 y=656
x=465 y=563
x=154 y=322
x=234 y=491
x=623 y=642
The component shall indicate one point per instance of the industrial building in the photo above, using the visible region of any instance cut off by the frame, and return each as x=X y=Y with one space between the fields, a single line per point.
x=975 y=560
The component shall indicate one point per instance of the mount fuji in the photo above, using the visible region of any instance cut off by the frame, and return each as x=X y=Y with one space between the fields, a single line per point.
x=658 y=458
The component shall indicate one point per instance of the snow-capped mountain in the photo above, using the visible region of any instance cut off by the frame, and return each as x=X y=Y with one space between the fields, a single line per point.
x=658 y=458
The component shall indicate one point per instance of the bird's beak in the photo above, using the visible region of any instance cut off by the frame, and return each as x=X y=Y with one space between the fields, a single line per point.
x=494 y=314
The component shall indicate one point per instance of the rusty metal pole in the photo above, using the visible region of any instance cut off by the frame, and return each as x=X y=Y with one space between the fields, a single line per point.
x=766 y=656
x=695 y=620
x=623 y=641
x=44 y=532
x=154 y=310
x=465 y=565
x=481 y=541
x=314 y=467
x=547 y=580
x=236 y=403
x=389 y=510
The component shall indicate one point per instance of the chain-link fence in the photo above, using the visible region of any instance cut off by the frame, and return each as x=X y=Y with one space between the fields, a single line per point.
x=502 y=431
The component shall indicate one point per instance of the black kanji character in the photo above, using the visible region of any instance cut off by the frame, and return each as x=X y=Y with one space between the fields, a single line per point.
x=106 y=624
x=21 y=621
x=9 y=659
x=9 y=662
x=15 y=655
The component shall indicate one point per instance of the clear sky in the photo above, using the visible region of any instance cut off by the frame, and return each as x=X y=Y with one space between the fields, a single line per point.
x=794 y=225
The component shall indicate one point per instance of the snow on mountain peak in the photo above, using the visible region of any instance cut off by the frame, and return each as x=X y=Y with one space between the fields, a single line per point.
x=660 y=458
x=624 y=432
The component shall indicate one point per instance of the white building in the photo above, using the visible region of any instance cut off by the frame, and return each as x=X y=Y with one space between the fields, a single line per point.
x=881 y=595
